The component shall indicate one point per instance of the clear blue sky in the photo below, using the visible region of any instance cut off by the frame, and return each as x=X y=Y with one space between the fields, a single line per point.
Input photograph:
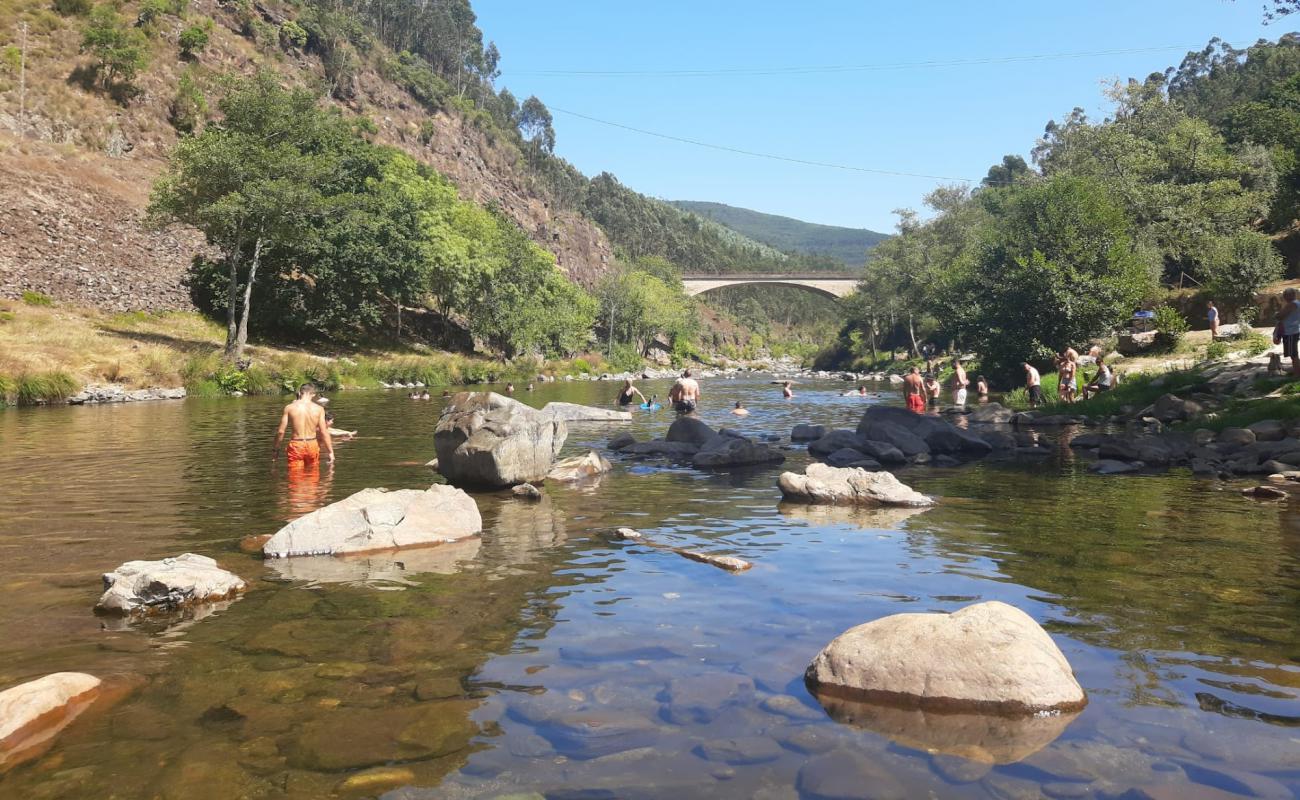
x=943 y=120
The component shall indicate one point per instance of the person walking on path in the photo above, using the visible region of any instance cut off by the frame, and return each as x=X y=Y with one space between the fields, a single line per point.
x=959 y=382
x=310 y=431
x=914 y=391
x=1034 y=383
x=1289 y=321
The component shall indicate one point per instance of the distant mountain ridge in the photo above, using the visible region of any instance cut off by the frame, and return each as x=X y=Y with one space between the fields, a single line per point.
x=849 y=245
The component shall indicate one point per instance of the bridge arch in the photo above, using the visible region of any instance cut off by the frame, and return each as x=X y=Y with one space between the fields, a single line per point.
x=829 y=285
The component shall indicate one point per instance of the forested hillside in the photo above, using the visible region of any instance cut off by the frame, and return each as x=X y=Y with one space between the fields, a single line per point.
x=1191 y=180
x=848 y=245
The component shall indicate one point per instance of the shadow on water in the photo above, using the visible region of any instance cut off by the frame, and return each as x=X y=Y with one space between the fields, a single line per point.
x=545 y=659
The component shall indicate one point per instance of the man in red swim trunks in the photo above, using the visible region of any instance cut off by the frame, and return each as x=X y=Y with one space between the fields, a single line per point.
x=310 y=430
x=914 y=390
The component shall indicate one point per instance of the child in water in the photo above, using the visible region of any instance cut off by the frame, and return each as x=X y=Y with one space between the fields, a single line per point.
x=335 y=432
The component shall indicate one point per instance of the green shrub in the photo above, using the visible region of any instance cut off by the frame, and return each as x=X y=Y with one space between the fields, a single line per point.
x=231 y=379
x=1171 y=327
x=43 y=387
x=189 y=107
x=72 y=8
x=427 y=130
x=581 y=365
x=119 y=51
x=7 y=316
x=1216 y=350
x=293 y=36
x=1257 y=343
x=37 y=299
x=150 y=12
x=206 y=389
x=194 y=39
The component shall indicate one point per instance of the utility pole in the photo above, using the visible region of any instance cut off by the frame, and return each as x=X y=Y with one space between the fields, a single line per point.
x=22 y=84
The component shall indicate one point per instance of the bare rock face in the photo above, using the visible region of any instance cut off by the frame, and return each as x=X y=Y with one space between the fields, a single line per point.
x=143 y=587
x=487 y=439
x=822 y=483
x=33 y=713
x=377 y=519
x=580 y=468
x=988 y=657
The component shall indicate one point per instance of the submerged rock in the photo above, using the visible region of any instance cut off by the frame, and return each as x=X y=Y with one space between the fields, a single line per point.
x=621 y=441
x=987 y=657
x=487 y=439
x=377 y=519
x=142 y=587
x=729 y=449
x=729 y=563
x=1109 y=466
x=807 y=433
x=33 y=713
x=1265 y=493
x=527 y=491
x=660 y=447
x=821 y=483
x=579 y=468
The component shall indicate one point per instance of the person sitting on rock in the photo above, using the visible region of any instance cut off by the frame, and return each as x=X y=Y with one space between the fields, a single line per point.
x=1101 y=382
x=740 y=410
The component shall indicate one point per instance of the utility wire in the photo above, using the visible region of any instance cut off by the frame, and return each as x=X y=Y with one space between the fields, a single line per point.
x=756 y=154
x=808 y=70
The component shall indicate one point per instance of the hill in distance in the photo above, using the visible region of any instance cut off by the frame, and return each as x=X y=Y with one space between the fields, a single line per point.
x=849 y=245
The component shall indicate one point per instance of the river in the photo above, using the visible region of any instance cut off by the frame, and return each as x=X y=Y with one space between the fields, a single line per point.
x=544 y=661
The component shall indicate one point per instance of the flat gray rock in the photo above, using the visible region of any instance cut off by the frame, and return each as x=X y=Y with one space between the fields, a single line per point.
x=822 y=483
x=170 y=584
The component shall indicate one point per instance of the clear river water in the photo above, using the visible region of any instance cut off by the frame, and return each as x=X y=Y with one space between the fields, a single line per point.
x=545 y=661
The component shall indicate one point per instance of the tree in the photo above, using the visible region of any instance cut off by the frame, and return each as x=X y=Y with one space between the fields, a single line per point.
x=535 y=126
x=1013 y=169
x=120 y=51
x=636 y=305
x=1240 y=266
x=253 y=182
x=1056 y=265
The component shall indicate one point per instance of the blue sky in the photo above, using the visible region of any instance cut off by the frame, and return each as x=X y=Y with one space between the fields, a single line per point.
x=951 y=121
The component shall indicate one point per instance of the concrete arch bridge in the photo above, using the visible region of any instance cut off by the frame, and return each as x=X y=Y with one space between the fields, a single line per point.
x=830 y=284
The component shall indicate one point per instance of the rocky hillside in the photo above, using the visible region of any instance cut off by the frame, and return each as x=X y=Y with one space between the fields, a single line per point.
x=76 y=170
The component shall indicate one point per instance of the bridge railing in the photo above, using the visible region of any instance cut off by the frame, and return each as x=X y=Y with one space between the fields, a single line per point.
x=771 y=276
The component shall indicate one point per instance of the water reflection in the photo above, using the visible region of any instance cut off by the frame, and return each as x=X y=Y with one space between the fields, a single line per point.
x=543 y=658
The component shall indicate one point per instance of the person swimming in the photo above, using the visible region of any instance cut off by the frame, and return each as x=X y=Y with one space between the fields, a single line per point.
x=628 y=392
x=337 y=433
x=740 y=410
x=786 y=391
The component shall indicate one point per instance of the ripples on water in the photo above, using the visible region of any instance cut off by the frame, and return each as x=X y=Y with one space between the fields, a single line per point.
x=545 y=659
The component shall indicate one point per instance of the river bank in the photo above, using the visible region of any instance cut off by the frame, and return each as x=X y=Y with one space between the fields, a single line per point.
x=53 y=353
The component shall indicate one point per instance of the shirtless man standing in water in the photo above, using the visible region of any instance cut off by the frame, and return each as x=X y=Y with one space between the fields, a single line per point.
x=685 y=394
x=310 y=431
x=914 y=390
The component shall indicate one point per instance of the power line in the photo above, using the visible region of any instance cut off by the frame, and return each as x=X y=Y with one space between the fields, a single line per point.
x=808 y=70
x=756 y=154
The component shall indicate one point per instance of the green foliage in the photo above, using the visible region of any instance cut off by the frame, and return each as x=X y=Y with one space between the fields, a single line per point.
x=37 y=298
x=29 y=389
x=194 y=39
x=1171 y=327
x=189 y=106
x=73 y=8
x=427 y=129
x=150 y=13
x=846 y=245
x=1216 y=350
x=1056 y=266
x=582 y=365
x=636 y=305
x=1257 y=343
x=1238 y=266
x=230 y=379
x=292 y=35
x=119 y=50
x=416 y=76
x=1246 y=412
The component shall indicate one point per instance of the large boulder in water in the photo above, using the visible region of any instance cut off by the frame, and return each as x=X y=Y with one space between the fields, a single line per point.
x=730 y=449
x=579 y=468
x=987 y=657
x=822 y=483
x=893 y=426
x=572 y=412
x=689 y=430
x=487 y=439
x=143 y=587
x=377 y=519
x=33 y=713
x=834 y=440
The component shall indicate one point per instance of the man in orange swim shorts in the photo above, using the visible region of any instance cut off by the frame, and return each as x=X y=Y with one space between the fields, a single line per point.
x=914 y=390
x=310 y=430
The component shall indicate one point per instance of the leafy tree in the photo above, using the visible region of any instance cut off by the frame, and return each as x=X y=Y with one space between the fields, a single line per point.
x=1240 y=266
x=1056 y=265
x=292 y=35
x=188 y=106
x=1013 y=169
x=535 y=125
x=636 y=305
x=120 y=51
x=194 y=39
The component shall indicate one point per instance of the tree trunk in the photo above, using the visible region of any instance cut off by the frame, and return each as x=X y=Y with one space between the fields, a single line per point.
x=911 y=335
x=242 y=338
x=871 y=340
x=232 y=299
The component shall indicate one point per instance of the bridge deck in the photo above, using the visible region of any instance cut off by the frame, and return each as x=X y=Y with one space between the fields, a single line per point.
x=771 y=276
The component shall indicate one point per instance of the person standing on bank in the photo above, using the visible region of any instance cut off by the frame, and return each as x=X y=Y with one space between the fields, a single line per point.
x=1289 y=321
x=1212 y=315
x=1034 y=383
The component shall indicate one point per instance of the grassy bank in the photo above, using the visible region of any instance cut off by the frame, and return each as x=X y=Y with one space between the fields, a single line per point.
x=49 y=352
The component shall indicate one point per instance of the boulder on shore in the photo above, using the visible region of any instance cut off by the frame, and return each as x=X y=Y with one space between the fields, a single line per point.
x=987 y=657
x=579 y=468
x=730 y=449
x=572 y=412
x=822 y=483
x=377 y=519
x=33 y=713
x=487 y=439
x=143 y=587
x=807 y=433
